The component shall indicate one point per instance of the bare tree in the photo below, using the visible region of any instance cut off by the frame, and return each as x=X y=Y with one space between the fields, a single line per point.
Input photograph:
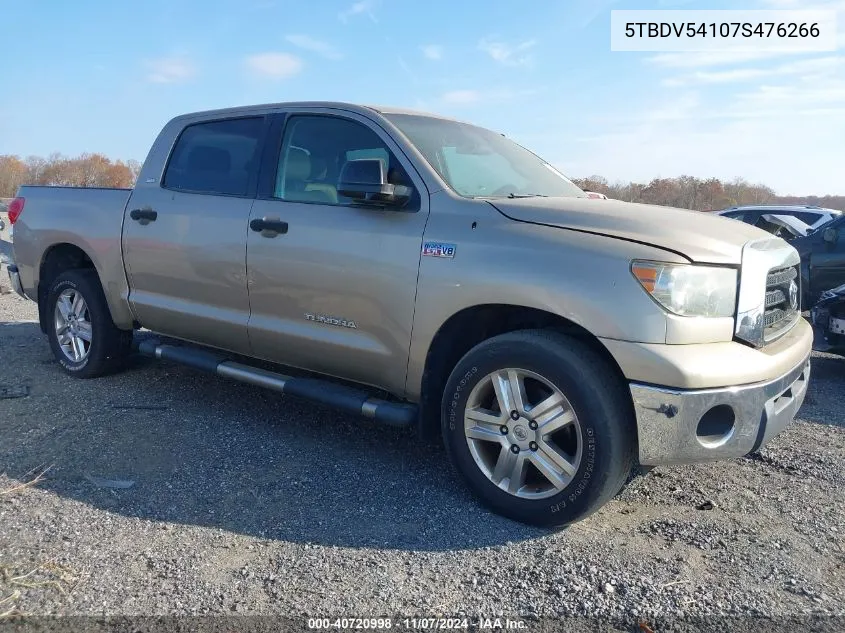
x=13 y=173
x=689 y=192
x=86 y=170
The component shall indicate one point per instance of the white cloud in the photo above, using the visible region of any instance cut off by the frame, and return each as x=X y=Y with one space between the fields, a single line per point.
x=702 y=59
x=785 y=136
x=170 y=70
x=432 y=51
x=834 y=5
x=770 y=151
x=364 y=7
x=407 y=69
x=766 y=116
x=582 y=13
x=274 y=65
x=792 y=99
x=494 y=95
x=508 y=54
x=724 y=76
x=802 y=67
x=461 y=97
x=308 y=43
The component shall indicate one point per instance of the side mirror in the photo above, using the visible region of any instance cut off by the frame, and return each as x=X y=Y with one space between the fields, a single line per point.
x=831 y=236
x=365 y=181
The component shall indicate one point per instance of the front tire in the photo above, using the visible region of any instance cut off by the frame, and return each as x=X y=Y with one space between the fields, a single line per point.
x=539 y=426
x=83 y=337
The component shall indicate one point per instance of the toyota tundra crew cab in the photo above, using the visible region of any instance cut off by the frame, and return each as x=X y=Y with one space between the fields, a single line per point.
x=425 y=272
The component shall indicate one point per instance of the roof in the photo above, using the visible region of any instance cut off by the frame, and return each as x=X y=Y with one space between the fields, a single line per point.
x=340 y=105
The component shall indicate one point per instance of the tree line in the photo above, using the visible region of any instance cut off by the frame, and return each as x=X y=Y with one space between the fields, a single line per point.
x=687 y=192
x=85 y=170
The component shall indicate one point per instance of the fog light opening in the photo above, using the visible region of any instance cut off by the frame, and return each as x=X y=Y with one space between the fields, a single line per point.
x=716 y=426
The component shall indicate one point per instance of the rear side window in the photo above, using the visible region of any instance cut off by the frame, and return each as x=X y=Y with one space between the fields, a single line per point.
x=219 y=157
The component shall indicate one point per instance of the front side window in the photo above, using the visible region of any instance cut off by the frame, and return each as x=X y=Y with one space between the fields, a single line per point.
x=314 y=151
x=478 y=163
x=218 y=157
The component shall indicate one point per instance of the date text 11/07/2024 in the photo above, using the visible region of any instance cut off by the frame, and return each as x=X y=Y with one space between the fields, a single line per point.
x=421 y=623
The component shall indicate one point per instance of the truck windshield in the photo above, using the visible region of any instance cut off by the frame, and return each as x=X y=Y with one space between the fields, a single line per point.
x=478 y=163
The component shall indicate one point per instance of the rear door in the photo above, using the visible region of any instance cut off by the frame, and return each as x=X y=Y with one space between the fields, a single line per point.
x=334 y=293
x=184 y=237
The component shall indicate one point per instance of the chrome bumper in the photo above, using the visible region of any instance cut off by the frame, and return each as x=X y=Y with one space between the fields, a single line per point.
x=687 y=426
x=15 y=280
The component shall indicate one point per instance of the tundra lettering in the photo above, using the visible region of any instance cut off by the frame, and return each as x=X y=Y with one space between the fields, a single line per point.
x=321 y=318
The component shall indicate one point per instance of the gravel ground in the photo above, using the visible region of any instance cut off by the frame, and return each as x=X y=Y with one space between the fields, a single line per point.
x=174 y=492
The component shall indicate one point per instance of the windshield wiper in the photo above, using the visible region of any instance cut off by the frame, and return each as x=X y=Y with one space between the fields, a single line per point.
x=526 y=195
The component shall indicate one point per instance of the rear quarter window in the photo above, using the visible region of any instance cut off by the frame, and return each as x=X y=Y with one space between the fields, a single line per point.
x=217 y=157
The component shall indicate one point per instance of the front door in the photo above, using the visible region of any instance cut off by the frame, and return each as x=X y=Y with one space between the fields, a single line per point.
x=184 y=238
x=335 y=292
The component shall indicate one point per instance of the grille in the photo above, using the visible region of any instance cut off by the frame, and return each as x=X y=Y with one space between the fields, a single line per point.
x=782 y=302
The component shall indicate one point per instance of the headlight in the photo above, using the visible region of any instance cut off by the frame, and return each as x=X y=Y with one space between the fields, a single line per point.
x=688 y=289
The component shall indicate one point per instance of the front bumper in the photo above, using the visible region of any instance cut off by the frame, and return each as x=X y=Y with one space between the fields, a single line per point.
x=15 y=280
x=678 y=426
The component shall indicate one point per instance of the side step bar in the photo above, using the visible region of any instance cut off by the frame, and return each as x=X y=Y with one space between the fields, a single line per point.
x=354 y=401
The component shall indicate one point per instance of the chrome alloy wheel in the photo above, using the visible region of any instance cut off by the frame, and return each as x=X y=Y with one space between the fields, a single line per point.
x=73 y=325
x=523 y=433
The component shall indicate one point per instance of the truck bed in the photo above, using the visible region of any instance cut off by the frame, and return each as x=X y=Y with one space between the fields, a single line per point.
x=89 y=218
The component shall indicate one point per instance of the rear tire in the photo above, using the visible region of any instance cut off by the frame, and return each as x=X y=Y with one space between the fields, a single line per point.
x=83 y=337
x=566 y=447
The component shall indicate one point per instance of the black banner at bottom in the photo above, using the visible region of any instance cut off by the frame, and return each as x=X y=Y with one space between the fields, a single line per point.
x=278 y=624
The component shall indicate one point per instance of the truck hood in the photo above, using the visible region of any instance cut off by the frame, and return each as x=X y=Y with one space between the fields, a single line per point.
x=698 y=236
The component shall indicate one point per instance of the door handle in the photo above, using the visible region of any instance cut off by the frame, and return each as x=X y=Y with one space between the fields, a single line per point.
x=268 y=227
x=139 y=215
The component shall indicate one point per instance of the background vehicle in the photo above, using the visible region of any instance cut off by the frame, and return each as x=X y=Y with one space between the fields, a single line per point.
x=809 y=218
x=822 y=260
x=464 y=284
x=828 y=315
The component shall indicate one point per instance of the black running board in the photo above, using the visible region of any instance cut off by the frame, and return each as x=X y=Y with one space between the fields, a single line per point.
x=349 y=399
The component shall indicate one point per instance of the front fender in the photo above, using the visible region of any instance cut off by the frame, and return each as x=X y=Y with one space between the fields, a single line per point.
x=583 y=278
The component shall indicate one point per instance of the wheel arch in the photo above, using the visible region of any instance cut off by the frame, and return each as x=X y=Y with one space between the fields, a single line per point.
x=470 y=326
x=55 y=260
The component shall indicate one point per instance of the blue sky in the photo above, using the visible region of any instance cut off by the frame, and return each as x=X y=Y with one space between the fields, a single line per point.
x=103 y=76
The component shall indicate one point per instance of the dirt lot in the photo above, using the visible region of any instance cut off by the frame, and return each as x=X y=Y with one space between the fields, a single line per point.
x=174 y=492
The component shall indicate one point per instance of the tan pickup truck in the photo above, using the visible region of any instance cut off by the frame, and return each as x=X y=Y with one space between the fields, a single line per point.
x=433 y=274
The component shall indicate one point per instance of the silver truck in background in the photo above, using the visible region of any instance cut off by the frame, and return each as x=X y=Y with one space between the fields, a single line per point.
x=553 y=340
